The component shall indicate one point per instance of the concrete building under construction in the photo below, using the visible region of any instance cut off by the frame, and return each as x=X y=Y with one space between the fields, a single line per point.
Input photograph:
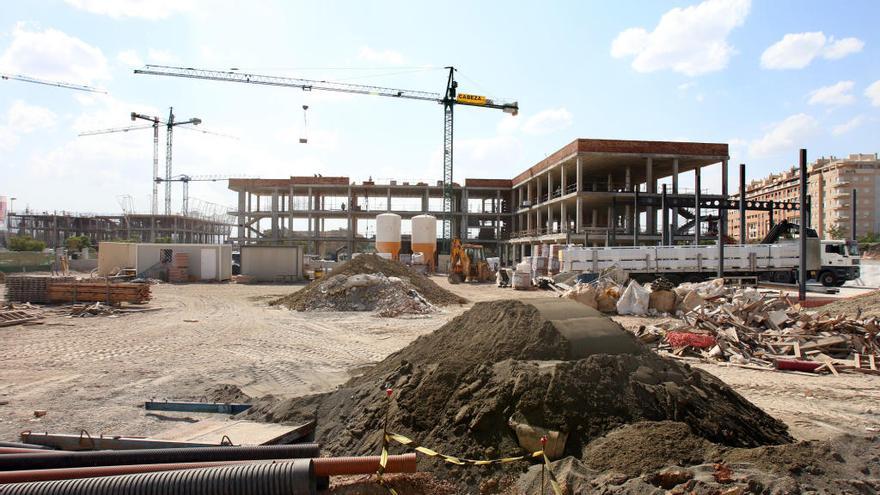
x=53 y=228
x=590 y=191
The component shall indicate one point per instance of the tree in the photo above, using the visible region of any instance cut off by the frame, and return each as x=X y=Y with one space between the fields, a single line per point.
x=869 y=238
x=78 y=242
x=25 y=243
x=836 y=232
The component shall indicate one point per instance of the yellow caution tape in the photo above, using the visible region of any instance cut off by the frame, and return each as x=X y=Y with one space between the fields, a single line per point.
x=557 y=490
x=460 y=461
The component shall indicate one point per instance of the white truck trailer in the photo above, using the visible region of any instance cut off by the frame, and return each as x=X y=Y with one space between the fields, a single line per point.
x=830 y=262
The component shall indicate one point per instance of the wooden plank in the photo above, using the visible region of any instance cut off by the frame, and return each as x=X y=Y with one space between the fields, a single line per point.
x=871 y=363
x=239 y=431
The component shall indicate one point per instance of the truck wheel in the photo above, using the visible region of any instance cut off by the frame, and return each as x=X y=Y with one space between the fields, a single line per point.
x=840 y=283
x=828 y=279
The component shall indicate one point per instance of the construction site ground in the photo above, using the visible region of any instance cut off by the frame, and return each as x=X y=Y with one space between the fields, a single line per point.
x=94 y=373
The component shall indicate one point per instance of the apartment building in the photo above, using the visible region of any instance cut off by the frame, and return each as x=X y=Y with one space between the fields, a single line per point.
x=830 y=185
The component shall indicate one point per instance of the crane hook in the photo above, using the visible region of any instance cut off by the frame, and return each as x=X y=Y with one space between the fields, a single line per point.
x=305 y=138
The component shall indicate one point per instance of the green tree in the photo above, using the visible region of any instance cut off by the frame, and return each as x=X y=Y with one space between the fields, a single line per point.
x=25 y=243
x=163 y=240
x=78 y=242
x=869 y=238
x=836 y=232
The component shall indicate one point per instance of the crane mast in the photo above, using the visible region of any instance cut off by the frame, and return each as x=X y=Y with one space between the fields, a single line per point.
x=448 y=99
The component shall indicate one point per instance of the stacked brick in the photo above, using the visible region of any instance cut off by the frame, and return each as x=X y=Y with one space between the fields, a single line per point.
x=179 y=269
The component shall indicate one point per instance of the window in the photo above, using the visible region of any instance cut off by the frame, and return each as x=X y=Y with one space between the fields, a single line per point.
x=165 y=256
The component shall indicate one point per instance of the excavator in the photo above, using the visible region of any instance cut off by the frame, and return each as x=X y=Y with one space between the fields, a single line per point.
x=467 y=263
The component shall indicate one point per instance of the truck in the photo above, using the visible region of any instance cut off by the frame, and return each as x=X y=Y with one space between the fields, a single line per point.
x=775 y=259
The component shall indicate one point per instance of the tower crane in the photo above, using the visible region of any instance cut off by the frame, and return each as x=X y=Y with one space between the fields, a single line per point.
x=45 y=82
x=170 y=124
x=449 y=99
x=186 y=179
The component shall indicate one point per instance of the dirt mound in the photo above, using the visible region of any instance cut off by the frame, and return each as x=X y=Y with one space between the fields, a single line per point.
x=611 y=465
x=648 y=446
x=225 y=392
x=861 y=306
x=455 y=389
x=371 y=295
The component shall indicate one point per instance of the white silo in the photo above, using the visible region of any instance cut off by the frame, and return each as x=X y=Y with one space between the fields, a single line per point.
x=424 y=237
x=388 y=234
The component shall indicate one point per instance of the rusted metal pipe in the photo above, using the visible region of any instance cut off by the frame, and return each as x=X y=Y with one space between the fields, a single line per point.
x=324 y=466
x=19 y=445
x=15 y=462
x=342 y=466
x=295 y=477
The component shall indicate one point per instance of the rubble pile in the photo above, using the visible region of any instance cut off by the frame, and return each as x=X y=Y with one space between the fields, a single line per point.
x=503 y=368
x=371 y=283
x=388 y=296
x=765 y=329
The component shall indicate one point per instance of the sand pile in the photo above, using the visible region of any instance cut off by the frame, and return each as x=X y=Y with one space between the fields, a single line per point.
x=650 y=457
x=456 y=388
x=371 y=283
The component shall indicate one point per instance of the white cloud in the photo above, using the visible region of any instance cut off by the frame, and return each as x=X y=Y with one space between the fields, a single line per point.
x=847 y=126
x=873 y=93
x=22 y=118
x=389 y=57
x=52 y=54
x=690 y=40
x=547 y=122
x=686 y=86
x=130 y=58
x=836 y=94
x=144 y=9
x=840 y=48
x=797 y=50
x=788 y=135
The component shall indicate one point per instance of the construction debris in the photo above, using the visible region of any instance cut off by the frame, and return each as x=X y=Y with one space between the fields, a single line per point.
x=16 y=317
x=89 y=310
x=765 y=329
x=371 y=283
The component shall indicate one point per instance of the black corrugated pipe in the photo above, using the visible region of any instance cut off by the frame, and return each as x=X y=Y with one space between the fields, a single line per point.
x=14 y=462
x=287 y=478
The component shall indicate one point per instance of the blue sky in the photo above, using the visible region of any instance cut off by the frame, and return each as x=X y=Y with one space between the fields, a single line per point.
x=768 y=77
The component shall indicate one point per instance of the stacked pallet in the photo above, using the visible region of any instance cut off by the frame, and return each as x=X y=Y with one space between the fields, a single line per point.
x=15 y=317
x=30 y=288
x=179 y=270
x=105 y=292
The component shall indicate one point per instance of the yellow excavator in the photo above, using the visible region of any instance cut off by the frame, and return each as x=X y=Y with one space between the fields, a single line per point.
x=467 y=263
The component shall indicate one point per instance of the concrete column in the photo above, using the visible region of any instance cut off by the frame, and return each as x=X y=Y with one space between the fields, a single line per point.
x=562 y=181
x=579 y=170
x=651 y=187
x=275 y=232
x=628 y=180
x=549 y=185
x=464 y=211
x=722 y=220
x=388 y=197
x=674 y=211
x=627 y=221
x=290 y=211
x=578 y=215
x=610 y=182
x=563 y=218
x=549 y=219
x=426 y=202
x=242 y=208
x=697 y=186
x=595 y=217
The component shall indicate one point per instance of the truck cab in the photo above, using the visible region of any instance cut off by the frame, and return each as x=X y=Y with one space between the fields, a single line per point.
x=840 y=262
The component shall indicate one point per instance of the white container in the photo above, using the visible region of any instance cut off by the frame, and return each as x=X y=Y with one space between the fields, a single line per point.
x=424 y=236
x=522 y=280
x=524 y=267
x=388 y=234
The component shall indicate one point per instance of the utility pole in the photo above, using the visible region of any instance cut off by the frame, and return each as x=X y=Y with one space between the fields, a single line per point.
x=802 y=272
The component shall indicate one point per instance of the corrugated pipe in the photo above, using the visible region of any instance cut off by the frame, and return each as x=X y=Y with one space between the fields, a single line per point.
x=341 y=466
x=324 y=466
x=14 y=462
x=283 y=478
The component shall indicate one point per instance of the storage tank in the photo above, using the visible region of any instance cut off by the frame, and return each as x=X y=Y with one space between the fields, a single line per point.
x=424 y=236
x=388 y=234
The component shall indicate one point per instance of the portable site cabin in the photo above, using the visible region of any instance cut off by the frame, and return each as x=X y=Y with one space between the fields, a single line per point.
x=272 y=263
x=206 y=261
